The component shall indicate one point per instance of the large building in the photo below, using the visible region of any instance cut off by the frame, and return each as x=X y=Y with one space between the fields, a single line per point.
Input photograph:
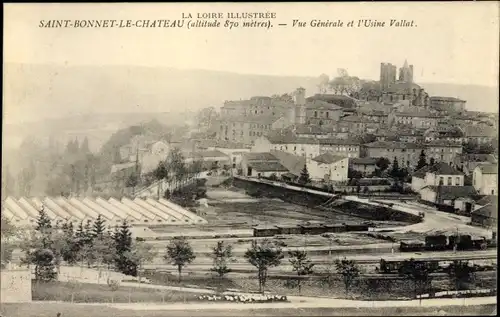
x=25 y=211
x=406 y=73
x=246 y=120
x=387 y=75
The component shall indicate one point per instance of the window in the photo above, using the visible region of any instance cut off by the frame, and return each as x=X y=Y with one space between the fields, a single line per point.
x=315 y=114
x=449 y=181
x=457 y=181
x=441 y=180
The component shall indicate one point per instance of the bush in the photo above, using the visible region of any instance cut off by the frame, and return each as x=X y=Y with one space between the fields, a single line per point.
x=114 y=285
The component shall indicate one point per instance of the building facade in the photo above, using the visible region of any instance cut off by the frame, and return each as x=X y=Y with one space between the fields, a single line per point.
x=485 y=179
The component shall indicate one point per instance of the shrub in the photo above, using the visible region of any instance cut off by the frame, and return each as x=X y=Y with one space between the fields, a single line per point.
x=114 y=285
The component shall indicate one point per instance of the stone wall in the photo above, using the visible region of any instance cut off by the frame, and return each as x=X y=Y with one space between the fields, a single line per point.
x=15 y=286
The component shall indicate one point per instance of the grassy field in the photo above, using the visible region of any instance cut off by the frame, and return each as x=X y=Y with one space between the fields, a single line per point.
x=93 y=293
x=72 y=310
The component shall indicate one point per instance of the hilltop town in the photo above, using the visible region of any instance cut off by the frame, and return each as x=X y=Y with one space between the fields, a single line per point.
x=358 y=184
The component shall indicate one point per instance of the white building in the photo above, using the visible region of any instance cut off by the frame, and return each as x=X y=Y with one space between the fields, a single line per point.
x=328 y=167
x=485 y=179
x=435 y=175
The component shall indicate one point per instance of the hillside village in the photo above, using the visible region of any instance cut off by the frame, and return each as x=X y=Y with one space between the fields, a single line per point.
x=356 y=168
x=387 y=129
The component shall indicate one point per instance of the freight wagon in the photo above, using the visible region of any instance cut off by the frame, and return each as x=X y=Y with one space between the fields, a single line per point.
x=312 y=229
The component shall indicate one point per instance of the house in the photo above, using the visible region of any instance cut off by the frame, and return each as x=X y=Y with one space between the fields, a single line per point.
x=322 y=113
x=443 y=151
x=446 y=195
x=293 y=163
x=365 y=165
x=409 y=135
x=417 y=118
x=435 y=175
x=359 y=124
x=286 y=140
x=479 y=133
x=120 y=173
x=350 y=147
x=485 y=179
x=447 y=104
x=444 y=133
x=467 y=162
x=211 y=159
x=328 y=167
x=486 y=216
x=407 y=153
x=261 y=165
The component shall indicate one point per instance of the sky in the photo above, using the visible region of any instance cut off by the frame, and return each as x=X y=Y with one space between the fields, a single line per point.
x=451 y=43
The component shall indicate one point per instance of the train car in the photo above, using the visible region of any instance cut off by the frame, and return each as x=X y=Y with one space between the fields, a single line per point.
x=315 y=229
x=411 y=245
x=436 y=242
x=265 y=231
x=356 y=227
x=293 y=229
x=390 y=266
x=337 y=228
x=462 y=242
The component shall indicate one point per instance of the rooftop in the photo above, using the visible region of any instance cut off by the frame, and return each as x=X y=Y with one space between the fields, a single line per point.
x=328 y=158
x=259 y=156
x=293 y=163
x=363 y=160
x=208 y=154
x=454 y=192
x=490 y=211
x=393 y=145
x=439 y=168
x=488 y=168
x=268 y=166
x=443 y=143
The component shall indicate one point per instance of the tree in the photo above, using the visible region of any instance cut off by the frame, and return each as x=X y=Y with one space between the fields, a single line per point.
x=382 y=163
x=418 y=272
x=44 y=227
x=7 y=232
x=354 y=174
x=460 y=272
x=84 y=148
x=323 y=81
x=304 y=176
x=264 y=255
x=301 y=264
x=179 y=253
x=422 y=161
x=345 y=84
x=141 y=253
x=123 y=244
x=99 y=227
x=44 y=266
x=222 y=253
x=349 y=271
x=432 y=161
x=395 y=173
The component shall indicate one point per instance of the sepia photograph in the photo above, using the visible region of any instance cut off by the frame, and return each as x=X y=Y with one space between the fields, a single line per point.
x=250 y=159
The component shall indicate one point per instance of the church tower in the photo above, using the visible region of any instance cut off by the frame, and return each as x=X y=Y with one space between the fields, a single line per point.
x=299 y=100
x=406 y=73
